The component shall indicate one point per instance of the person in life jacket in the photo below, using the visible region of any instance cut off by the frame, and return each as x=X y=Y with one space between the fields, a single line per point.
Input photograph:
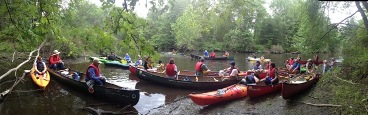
x=295 y=69
x=272 y=74
x=268 y=66
x=171 y=69
x=230 y=73
x=55 y=61
x=93 y=73
x=325 y=67
x=200 y=68
x=310 y=66
x=226 y=54
x=316 y=57
x=205 y=53
x=40 y=67
x=160 y=66
x=213 y=54
x=112 y=56
x=290 y=62
x=257 y=67
x=127 y=58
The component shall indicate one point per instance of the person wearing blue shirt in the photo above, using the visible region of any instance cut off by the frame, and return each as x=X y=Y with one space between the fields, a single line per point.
x=93 y=73
x=127 y=58
x=258 y=66
x=295 y=69
x=206 y=53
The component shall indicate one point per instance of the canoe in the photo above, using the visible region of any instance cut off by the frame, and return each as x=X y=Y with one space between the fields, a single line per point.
x=185 y=81
x=102 y=59
x=132 y=69
x=38 y=80
x=232 y=92
x=210 y=58
x=289 y=90
x=261 y=89
x=111 y=63
x=116 y=64
x=257 y=59
x=315 y=62
x=111 y=92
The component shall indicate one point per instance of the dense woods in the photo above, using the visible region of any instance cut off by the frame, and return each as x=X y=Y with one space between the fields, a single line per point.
x=78 y=27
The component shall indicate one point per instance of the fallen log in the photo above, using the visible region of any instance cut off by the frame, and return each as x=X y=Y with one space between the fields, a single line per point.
x=322 y=105
x=9 y=90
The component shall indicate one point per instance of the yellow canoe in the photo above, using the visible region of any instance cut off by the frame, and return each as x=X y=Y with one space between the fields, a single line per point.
x=42 y=83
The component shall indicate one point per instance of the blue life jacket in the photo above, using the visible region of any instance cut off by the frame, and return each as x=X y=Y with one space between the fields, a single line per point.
x=40 y=66
x=127 y=58
x=206 y=54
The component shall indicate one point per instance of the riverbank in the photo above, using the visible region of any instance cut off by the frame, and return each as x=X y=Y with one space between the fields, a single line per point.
x=353 y=97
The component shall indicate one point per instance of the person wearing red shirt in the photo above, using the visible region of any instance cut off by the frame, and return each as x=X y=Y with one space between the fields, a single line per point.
x=55 y=61
x=213 y=54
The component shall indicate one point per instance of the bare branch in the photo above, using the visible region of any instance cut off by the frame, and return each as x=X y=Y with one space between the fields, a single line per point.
x=13 y=55
x=322 y=105
x=338 y=24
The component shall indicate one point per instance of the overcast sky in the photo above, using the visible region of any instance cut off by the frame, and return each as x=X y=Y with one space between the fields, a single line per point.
x=335 y=17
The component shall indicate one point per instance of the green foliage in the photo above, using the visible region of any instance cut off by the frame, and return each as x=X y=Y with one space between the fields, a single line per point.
x=355 y=55
x=187 y=29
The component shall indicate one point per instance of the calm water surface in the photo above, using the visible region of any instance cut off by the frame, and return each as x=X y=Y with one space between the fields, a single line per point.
x=61 y=99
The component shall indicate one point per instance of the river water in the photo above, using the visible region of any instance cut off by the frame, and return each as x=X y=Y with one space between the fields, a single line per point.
x=61 y=99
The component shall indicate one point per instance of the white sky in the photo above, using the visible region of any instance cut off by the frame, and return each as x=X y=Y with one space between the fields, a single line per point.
x=335 y=17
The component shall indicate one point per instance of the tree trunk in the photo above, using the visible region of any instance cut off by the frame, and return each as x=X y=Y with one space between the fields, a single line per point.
x=362 y=13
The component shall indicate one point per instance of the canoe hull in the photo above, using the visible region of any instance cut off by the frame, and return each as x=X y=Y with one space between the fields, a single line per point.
x=209 y=58
x=111 y=63
x=258 y=59
x=180 y=83
x=290 y=90
x=116 y=64
x=132 y=69
x=39 y=81
x=262 y=89
x=232 y=92
x=114 y=93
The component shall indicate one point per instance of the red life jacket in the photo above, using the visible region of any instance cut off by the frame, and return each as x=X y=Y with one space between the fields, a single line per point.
x=291 y=62
x=198 y=66
x=97 y=70
x=213 y=55
x=271 y=73
x=170 y=70
x=231 y=69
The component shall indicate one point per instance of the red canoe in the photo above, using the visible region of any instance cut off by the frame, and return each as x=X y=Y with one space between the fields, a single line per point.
x=291 y=89
x=261 y=89
x=225 y=94
x=132 y=69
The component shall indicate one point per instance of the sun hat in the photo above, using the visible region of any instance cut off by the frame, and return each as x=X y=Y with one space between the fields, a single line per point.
x=309 y=60
x=96 y=61
x=56 y=52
